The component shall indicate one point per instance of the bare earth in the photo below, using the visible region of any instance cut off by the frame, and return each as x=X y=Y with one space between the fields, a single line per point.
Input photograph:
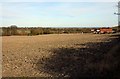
x=22 y=54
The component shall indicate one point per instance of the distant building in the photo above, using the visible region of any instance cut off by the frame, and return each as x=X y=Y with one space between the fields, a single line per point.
x=102 y=30
x=106 y=30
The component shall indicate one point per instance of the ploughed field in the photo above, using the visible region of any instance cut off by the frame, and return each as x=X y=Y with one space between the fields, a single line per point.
x=64 y=55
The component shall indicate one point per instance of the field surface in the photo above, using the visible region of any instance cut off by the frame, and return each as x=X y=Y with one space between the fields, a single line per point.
x=59 y=55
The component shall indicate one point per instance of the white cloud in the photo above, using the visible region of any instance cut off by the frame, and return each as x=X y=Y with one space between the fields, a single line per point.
x=33 y=14
x=68 y=9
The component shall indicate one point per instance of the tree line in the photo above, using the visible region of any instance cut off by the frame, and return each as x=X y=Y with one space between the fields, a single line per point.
x=14 y=30
x=29 y=31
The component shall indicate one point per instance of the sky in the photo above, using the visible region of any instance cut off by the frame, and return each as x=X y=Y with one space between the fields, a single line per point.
x=58 y=14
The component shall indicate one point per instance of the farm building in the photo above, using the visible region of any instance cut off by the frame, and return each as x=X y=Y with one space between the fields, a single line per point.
x=102 y=30
x=106 y=30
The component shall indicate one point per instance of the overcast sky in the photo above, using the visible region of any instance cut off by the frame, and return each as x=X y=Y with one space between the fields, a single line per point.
x=58 y=14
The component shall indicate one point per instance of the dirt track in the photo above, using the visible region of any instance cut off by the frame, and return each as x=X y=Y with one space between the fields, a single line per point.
x=32 y=55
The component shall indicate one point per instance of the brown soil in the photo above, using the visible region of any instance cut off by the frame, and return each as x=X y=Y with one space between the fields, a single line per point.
x=59 y=55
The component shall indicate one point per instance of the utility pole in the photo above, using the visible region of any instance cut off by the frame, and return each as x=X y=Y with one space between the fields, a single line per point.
x=118 y=13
